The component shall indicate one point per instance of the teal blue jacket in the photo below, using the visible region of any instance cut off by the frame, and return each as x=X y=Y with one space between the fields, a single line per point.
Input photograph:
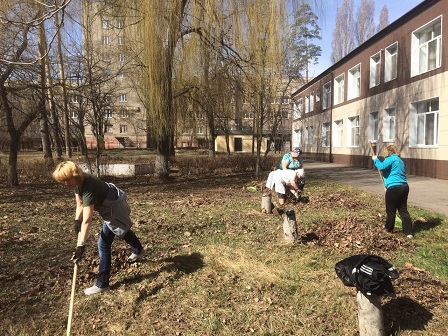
x=393 y=170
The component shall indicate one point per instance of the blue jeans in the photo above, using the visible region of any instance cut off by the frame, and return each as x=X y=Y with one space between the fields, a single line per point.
x=104 y=248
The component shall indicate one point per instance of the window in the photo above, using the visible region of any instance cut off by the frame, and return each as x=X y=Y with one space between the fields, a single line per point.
x=307 y=104
x=338 y=133
x=108 y=128
x=326 y=96
x=389 y=124
x=200 y=130
x=427 y=47
x=354 y=82
x=105 y=24
x=76 y=99
x=339 y=89
x=309 y=135
x=106 y=58
x=107 y=113
x=248 y=115
x=124 y=113
x=108 y=98
x=120 y=24
x=297 y=108
x=353 y=131
x=285 y=100
x=284 y=113
x=120 y=40
x=424 y=123
x=297 y=138
x=390 y=62
x=373 y=126
x=375 y=70
x=120 y=74
x=122 y=98
x=74 y=114
x=121 y=57
x=123 y=129
x=106 y=40
x=312 y=101
x=326 y=135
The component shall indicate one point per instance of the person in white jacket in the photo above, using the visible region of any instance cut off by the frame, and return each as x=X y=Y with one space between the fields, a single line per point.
x=93 y=194
x=284 y=181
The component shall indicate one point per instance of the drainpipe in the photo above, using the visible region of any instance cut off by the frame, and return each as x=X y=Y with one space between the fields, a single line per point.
x=330 y=159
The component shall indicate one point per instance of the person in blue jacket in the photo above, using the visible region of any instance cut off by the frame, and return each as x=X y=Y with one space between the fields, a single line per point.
x=397 y=189
x=293 y=160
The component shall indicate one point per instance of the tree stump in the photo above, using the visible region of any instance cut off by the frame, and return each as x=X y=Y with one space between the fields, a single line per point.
x=370 y=315
x=290 y=226
x=266 y=203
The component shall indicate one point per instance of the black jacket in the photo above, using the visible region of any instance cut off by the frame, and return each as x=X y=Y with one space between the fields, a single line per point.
x=369 y=273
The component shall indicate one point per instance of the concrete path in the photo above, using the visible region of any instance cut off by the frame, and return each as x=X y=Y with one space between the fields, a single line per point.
x=428 y=193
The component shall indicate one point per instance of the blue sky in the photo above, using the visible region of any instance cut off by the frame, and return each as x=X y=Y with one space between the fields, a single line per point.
x=327 y=22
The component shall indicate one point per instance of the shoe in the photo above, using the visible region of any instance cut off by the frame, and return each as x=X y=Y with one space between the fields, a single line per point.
x=95 y=290
x=410 y=236
x=134 y=257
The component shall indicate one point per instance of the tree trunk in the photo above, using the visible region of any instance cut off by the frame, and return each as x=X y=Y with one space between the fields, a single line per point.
x=266 y=203
x=289 y=226
x=161 y=167
x=68 y=149
x=370 y=315
x=13 y=177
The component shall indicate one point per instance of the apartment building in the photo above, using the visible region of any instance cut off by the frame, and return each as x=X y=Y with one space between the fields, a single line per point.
x=392 y=89
x=122 y=111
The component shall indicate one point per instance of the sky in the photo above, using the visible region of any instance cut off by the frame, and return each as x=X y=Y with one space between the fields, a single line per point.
x=397 y=8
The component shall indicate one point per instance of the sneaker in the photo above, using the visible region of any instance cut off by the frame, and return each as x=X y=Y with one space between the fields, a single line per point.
x=95 y=290
x=410 y=236
x=134 y=257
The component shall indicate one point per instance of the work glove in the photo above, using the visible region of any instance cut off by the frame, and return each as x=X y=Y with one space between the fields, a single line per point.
x=77 y=226
x=77 y=256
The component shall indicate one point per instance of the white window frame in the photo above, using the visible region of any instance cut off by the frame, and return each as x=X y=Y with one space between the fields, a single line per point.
x=326 y=134
x=374 y=126
x=74 y=114
x=106 y=40
x=123 y=98
x=391 y=62
x=326 y=96
x=375 y=70
x=339 y=83
x=108 y=128
x=123 y=129
x=297 y=108
x=121 y=57
x=297 y=138
x=353 y=131
x=307 y=104
x=105 y=24
x=338 y=134
x=389 y=124
x=312 y=101
x=124 y=113
x=120 y=40
x=424 y=123
x=421 y=49
x=309 y=135
x=120 y=24
x=354 y=82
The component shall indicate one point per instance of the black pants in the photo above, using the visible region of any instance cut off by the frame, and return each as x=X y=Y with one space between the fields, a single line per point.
x=397 y=199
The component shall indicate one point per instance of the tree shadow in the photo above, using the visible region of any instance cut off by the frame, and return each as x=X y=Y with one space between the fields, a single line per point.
x=178 y=265
x=308 y=238
x=405 y=314
x=426 y=225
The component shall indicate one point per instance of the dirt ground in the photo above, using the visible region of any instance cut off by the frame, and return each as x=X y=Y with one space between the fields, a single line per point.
x=27 y=212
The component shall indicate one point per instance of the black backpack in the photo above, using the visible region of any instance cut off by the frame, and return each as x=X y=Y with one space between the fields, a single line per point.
x=370 y=274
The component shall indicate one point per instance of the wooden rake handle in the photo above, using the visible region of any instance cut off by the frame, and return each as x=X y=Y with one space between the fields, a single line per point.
x=72 y=299
x=373 y=153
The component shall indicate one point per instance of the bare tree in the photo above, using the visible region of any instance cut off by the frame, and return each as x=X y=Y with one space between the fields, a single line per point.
x=343 y=33
x=365 y=22
x=384 y=19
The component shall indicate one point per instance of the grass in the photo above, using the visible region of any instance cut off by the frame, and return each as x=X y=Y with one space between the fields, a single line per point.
x=217 y=265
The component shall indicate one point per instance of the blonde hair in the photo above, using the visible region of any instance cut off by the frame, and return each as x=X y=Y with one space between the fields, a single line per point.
x=391 y=149
x=66 y=170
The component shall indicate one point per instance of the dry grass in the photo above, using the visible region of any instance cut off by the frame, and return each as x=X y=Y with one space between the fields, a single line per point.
x=217 y=265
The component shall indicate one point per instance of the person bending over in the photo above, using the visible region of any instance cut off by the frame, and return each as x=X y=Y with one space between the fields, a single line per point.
x=93 y=194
